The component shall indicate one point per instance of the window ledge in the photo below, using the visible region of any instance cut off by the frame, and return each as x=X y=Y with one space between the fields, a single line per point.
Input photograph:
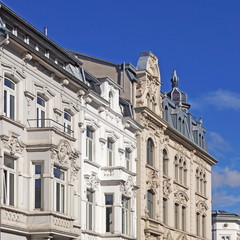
x=14 y=122
x=200 y=195
x=180 y=184
x=151 y=167
x=92 y=163
x=166 y=177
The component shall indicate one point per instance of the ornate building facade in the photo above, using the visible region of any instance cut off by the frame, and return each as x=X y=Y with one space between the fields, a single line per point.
x=91 y=149
x=68 y=144
x=173 y=166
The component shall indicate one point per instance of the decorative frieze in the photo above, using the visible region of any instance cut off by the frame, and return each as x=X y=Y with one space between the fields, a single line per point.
x=92 y=181
x=13 y=144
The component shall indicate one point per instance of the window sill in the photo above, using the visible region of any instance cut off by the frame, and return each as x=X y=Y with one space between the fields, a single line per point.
x=14 y=122
x=166 y=177
x=200 y=195
x=92 y=163
x=180 y=184
x=151 y=167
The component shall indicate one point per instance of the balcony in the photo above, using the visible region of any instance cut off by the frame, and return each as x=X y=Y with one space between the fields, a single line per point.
x=47 y=131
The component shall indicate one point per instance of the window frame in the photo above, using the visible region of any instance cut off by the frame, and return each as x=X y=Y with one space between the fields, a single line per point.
x=90 y=142
x=9 y=98
x=126 y=215
x=41 y=111
x=90 y=210
x=150 y=152
x=109 y=217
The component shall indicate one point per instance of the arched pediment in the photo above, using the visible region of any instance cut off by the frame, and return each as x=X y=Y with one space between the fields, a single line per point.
x=181 y=197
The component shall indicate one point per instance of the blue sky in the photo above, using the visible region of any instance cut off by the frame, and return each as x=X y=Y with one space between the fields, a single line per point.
x=200 y=39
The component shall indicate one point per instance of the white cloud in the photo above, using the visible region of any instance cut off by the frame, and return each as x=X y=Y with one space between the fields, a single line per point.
x=223 y=199
x=221 y=99
x=224 y=99
x=225 y=177
x=217 y=144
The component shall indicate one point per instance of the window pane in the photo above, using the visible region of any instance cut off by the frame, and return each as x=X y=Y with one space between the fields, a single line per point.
x=5 y=185
x=38 y=193
x=38 y=169
x=40 y=101
x=5 y=102
x=58 y=173
x=9 y=83
x=109 y=199
x=67 y=116
x=8 y=162
x=58 y=197
x=109 y=219
x=62 y=197
x=12 y=106
x=11 y=190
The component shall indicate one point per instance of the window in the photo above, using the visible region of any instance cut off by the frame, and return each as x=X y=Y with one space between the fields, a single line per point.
x=183 y=218
x=127 y=159
x=125 y=215
x=59 y=188
x=109 y=212
x=183 y=128
x=165 y=162
x=67 y=123
x=109 y=152
x=198 y=223
x=165 y=210
x=150 y=203
x=203 y=226
x=9 y=180
x=176 y=168
x=165 y=113
x=9 y=98
x=153 y=104
x=90 y=209
x=184 y=173
x=176 y=215
x=41 y=110
x=148 y=101
x=201 y=183
x=37 y=186
x=89 y=144
x=150 y=152
x=180 y=171
x=179 y=125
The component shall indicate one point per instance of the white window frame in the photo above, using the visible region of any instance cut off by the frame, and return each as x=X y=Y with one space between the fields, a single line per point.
x=60 y=195
x=38 y=177
x=126 y=215
x=90 y=144
x=67 y=122
x=41 y=112
x=128 y=156
x=9 y=194
x=8 y=95
x=110 y=228
x=90 y=210
x=110 y=152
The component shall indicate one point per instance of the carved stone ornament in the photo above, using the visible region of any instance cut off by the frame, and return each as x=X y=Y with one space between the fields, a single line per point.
x=150 y=236
x=181 y=197
x=65 y=156
x=128 y=188
x=153 y=180
x=182 y=236
x=201 y=207
x=13 y=144
x=167 y=235
x=167 y=189
x=92 y=181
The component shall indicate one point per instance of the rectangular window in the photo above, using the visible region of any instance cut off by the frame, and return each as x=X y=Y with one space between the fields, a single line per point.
x=8 y=180
x=109 y=212
x=184 y=218
x=198 y=224
x=125 y=215
x=127 y=159
x=110 y=152
x=150 y=203
x=41 y=109
x=176 y=215
x=165 y=210
x=9 y=98
x=59 y=177
x=38 y=186
x=90 y=209
x=89 y=144
x=67 y=123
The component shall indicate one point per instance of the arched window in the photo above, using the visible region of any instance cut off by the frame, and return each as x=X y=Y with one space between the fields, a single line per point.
x=184 y=173
x=200 y=140
x=183 y=127
x=150 y=152
x=165 y=162
x=153 y=104
x=148 y=101
x=176 y=167
x=9 y=98
x=180 y=171
x=110 y=152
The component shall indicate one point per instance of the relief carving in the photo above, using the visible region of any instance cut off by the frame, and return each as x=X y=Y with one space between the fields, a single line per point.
x=167 y=188
x=128 y=188
x=201 y=207
x=13 y=144
x=181 y=197
x=153 y=180
x=92 y=181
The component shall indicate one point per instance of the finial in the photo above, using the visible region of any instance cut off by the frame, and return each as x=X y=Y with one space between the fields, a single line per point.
x=200 y=120
x=174 y=79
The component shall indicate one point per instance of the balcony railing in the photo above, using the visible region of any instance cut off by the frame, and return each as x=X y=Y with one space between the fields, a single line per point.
x=50 y=123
